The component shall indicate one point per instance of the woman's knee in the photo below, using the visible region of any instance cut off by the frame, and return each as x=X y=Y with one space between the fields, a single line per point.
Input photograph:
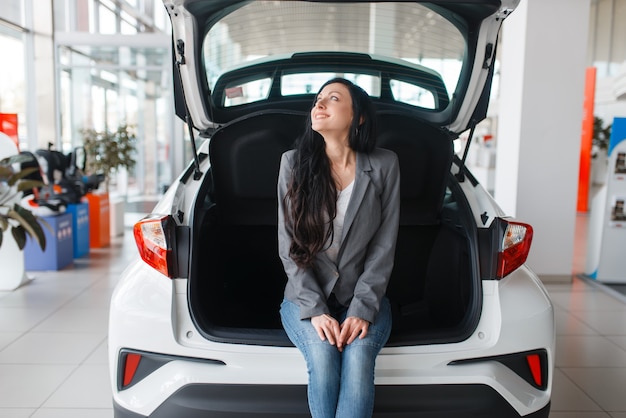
x=297 y=329
x=379 y=331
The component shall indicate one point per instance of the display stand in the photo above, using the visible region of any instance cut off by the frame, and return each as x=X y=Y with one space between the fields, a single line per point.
x=99 y=220
x=59 y=247
x=607 y=224
x=80 y=225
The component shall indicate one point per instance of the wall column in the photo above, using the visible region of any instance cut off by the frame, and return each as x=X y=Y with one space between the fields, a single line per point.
x=43 y=66
x=544 y=48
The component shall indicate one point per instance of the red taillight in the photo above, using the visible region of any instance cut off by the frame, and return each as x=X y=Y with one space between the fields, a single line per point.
x=131 y=362
x=152 y=238
x=534 y=363
x=532 y=366
x=514 y=249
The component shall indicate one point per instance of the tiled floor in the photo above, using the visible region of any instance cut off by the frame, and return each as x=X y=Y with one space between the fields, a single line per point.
x=53 y=336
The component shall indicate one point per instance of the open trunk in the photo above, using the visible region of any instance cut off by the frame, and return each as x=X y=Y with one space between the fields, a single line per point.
x=236 y=278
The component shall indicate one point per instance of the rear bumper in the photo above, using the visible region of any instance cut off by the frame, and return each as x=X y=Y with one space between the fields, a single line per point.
x=271 y=401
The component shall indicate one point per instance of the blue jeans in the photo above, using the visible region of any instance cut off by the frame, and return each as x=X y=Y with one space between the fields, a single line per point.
x=341 y=384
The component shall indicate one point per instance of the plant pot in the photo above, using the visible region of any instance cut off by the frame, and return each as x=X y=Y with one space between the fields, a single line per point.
x=600 y=168
x=117 y=207
x=12 y=262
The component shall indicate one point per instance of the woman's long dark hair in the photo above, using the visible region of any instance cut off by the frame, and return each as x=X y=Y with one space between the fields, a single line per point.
x=310 y=201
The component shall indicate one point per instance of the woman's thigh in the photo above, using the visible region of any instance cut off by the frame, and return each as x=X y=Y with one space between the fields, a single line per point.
x=379 y=331
x=304 y=336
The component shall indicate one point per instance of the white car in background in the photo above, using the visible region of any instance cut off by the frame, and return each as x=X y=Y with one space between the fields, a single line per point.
x=194 y=323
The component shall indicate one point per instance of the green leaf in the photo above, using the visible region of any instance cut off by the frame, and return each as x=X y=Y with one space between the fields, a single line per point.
x=19 y=234
x=29 y=184
x=21 y=174
x=28 y=221
x=17 y=158
x=5 y=173
x=1 y=235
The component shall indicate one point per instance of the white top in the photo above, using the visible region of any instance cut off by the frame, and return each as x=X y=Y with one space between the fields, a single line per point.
x=343 y=198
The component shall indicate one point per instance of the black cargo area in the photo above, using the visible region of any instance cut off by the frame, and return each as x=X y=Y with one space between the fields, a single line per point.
x=236 y=278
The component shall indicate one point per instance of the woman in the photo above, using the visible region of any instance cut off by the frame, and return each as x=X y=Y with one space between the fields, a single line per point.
x=339 y=204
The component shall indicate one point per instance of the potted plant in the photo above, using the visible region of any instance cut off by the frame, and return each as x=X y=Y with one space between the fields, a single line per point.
x=17 y=219
x=13 y=216
x=107 y=153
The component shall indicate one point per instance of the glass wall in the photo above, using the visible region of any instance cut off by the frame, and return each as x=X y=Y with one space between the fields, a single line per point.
x=114 y=68
x=13 y=11
x=14 y=43
x=607 y=37
x=13 y=89
x=607 y=52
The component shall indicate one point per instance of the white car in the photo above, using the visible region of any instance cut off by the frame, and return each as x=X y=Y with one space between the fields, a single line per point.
x=194 y=324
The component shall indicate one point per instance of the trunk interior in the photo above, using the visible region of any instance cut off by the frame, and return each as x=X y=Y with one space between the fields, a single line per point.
x=236 y=278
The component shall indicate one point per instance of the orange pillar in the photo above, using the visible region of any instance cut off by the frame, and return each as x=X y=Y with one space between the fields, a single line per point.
x=99 y=220
x=8 y=125
x=586 y=141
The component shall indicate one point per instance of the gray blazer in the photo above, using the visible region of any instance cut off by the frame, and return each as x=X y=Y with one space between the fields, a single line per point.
x=359 y=278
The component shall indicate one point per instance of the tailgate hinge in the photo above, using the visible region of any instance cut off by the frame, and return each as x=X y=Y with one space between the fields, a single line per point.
x=461 y=174
x=180 y=49
x=489 y=49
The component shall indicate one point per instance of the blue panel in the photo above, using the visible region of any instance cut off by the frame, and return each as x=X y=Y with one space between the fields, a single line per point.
x=80 y=224
x=59 y=245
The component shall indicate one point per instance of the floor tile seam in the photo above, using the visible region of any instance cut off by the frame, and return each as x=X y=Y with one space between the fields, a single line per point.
x=598 y=285
x=583 y=319
x=591 y=398
x=563 y=368
x=610 y=341
x=64 y=408
x=82 y=362
x=54 y=363
x=56 y=389
x=567 y=289
x=605 y=336
x=13 y=342
x=590 y=311
x=96 y=349
x=21 y=408
x=582 y=316
x=31 y=329
x=68 y=377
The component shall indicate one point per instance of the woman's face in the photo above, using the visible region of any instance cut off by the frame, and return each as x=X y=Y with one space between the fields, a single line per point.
x=332 y=112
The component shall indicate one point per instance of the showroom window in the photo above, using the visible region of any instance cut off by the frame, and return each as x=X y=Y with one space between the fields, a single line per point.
x=117 y=73
x=607 y=37
x=12 y=11
x=14 y=43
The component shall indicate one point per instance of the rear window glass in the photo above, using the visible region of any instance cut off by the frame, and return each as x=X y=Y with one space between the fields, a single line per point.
x=247 y=92
x=269 y=29
x=412 y=94
x=310 y=83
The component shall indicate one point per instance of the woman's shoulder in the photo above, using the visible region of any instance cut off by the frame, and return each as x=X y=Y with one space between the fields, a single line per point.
x=287 y=156
x=383 y=157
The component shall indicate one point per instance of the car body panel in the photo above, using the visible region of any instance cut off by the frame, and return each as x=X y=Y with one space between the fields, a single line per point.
x=505 y=326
